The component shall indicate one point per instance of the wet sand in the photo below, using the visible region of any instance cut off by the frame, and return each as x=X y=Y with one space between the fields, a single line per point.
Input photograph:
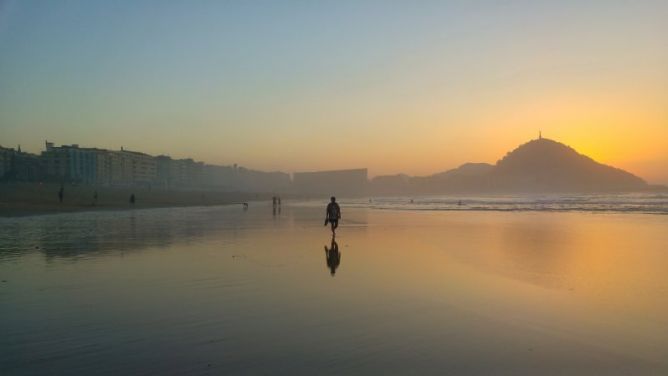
x=222 y=290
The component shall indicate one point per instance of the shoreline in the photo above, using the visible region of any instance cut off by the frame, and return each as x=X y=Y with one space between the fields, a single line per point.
x=22 y=210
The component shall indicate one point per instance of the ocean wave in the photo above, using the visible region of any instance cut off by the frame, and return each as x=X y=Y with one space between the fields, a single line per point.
x=628 y=203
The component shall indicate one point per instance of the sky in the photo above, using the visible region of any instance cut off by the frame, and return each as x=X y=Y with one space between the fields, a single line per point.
x=416 y=87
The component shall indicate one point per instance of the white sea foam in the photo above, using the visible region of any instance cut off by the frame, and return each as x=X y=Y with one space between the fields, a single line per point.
x=634 y=203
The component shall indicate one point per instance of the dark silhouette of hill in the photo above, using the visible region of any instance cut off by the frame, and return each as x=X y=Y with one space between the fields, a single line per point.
x=466 y=170
x=544 y=165
x=539 y=166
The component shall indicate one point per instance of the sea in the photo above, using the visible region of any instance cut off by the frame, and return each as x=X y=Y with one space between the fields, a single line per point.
x=646 y=203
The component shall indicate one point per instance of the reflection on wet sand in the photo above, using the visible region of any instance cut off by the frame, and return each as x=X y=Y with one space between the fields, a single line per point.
x=72 y=235
x=539 y=251
x=219 y=290
x=333 y=256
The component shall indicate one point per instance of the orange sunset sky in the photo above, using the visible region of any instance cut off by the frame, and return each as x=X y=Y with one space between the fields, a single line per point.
x=404 y=87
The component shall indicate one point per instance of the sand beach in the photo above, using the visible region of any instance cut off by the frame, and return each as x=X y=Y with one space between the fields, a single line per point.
x=211 y=290
x=33 y=198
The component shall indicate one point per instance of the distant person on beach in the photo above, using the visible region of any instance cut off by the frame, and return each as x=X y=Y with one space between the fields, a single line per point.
x=61 y=193
x=333 y=257
x=94 y=198
x=132 y=199
x=333 y=214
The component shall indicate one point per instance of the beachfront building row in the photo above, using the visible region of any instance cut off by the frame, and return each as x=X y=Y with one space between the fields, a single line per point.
x=72 y=163
x=94 y=166
x=178 y=173
x=16 y=165
x=5 y=160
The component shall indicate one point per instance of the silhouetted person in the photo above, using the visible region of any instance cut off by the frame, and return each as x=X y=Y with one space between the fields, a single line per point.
x=273 y=199
x=94 y=198
x=333 y=214
x=61 y=193
x=132 y=199
x=333 y=257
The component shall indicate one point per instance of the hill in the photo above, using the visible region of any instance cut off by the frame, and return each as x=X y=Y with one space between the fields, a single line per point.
x=545 y=165
x=539 y=166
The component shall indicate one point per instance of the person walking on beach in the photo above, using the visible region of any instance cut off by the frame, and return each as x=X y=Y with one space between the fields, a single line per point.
x=333 y=257
x=61 y=193
x=132 y=199
x=333 y=214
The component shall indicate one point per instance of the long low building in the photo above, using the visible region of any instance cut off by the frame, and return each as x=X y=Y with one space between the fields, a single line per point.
x=336 y=182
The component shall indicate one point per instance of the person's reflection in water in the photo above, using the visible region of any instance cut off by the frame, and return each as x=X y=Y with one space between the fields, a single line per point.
x=333 y=257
